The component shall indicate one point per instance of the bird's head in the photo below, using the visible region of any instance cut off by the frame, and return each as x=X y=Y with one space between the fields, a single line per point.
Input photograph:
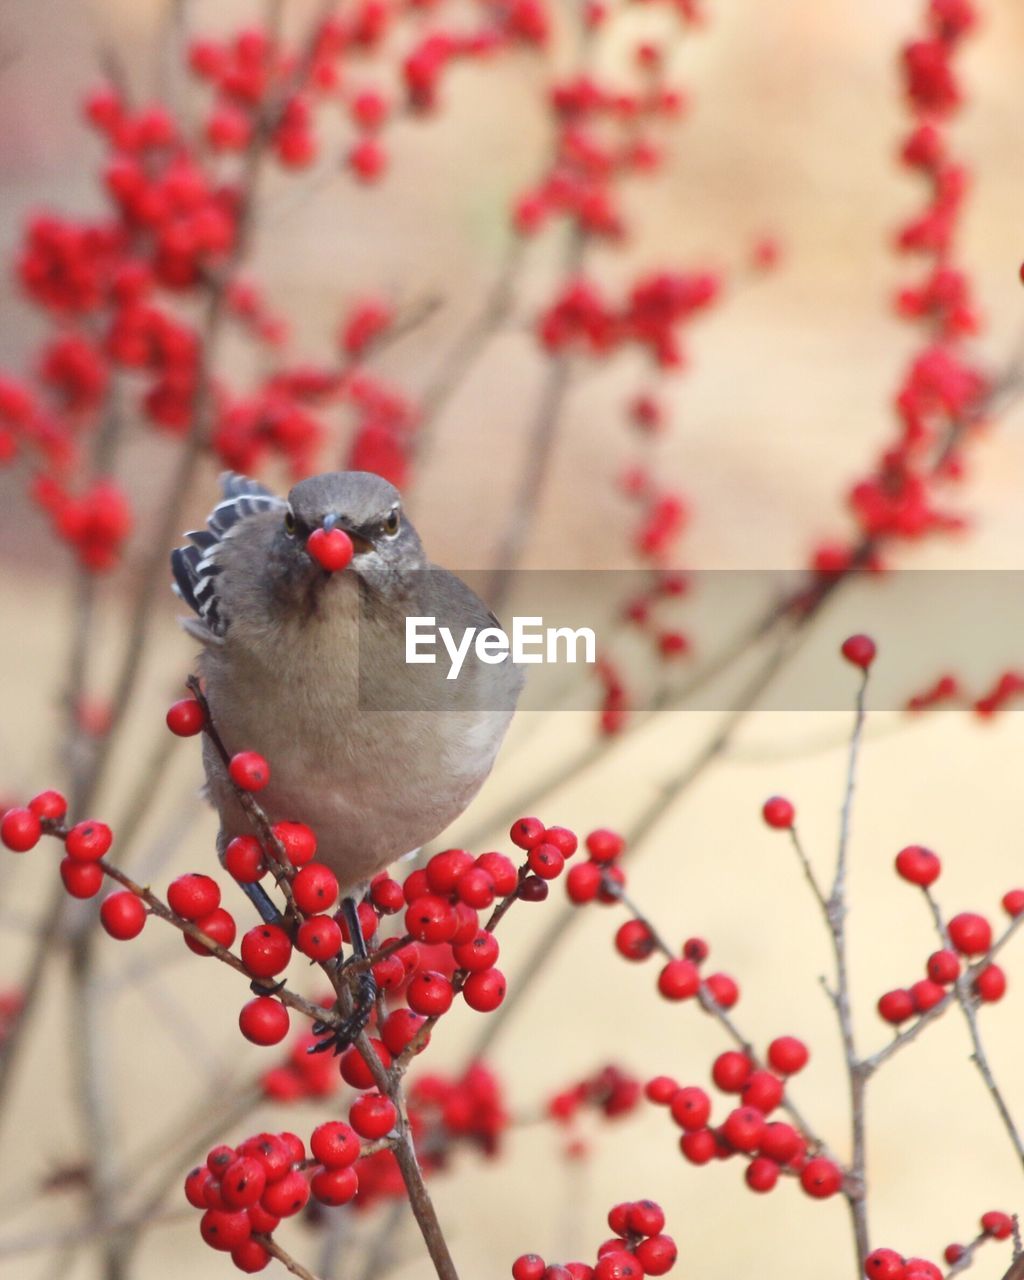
x=376 y=540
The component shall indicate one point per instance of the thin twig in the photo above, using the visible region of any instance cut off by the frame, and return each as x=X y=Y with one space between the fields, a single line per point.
x=967 y=999
x=836 y=910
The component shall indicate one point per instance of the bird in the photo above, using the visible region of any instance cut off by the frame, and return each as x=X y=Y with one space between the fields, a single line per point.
x=307 y=666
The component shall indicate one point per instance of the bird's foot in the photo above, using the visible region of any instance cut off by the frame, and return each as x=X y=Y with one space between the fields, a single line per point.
x=263 y=987
x=335 y=1037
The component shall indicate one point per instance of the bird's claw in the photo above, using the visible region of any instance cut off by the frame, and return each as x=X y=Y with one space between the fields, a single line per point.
x=261 y=987
x=336 y=1037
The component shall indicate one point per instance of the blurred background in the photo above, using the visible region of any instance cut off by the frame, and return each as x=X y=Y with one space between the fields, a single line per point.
x=794 y=127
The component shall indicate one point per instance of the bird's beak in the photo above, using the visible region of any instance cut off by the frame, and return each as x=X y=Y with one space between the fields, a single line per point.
x=360 y=543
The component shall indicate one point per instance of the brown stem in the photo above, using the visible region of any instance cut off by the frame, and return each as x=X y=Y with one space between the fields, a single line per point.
x=284 y=1257
x=539 y=452
x=836 y=910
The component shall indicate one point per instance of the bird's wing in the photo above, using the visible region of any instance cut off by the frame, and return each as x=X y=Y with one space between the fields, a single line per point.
x=195 y=566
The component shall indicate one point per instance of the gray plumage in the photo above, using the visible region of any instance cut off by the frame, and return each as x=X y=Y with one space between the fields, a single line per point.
x=307 y=668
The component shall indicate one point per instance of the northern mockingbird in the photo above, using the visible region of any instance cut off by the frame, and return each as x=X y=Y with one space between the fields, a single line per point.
x=307 y=667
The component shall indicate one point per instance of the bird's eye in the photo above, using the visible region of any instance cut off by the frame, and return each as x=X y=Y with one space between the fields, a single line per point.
x=289 y=524
x=393 y=523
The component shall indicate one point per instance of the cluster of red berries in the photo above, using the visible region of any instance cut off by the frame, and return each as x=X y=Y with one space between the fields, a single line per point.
x=944 y=389
x=245 y=1191
x=611 y=1091
x=638 y=1248
x=946 y=689
x=887 y=1264
x=656 y=307
x=771 y=1148
x=970 y=940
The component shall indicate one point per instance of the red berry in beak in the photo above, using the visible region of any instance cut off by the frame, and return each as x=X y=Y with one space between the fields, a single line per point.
x=332 y=550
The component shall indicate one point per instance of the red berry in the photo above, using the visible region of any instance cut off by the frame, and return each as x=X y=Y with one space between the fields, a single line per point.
x=779 y=813
x=723 y=989
x=896 y=1006
x=731 y=1070
x=431 y=918
x=481 y=952
x=699 y=1146
x=287 y=1196
x=319 y=938
x=20 y=829
x=250 y=1256
x=400 y=1028
x=49 y=804
x=545 y=861
x=186 y=718
x=634 y=940
x=315 y=889
x=763 y=1091
x=335 y=1144
x=193 y=895
x=943 y=967
x=123 y=915
x=266 y=950
x=386 y=894
x=918 y=865
x=264 y=1021
x=563 y=839
x=821 y=1178
x=527 y=832
x=884 y=1264
x=271 y=1151
x=970 y=933
x=335 y=1186
x=953 y=1253
x=997 y=1225
x=761 y=1174
x=354 y=1070
x=298 y=841
x=429 y=993
x=369 y=159
x=926 y=995
x=243 y=1182
x=1013 y=902
x=444 y=869
x=859 y=651
x=661 y=1090
x=88 y=841
x=219 y=926
x=224 y=1231
x=81 y=879
x=990 y=984
x=696 y=949
x=195 y=1187
x=645 y=1218
x=476 y=888
x=530 y=1266
x=243 y=860
x=249 y=771
x=604 y=846
x=332 y=549
x=921 y=1269
x=484 y=991
x=690 y=1107
x=502 y=871
x=781 y=1142
x=619 y=1265
x=583 y=882
x=372 y=1115
x=679 y=980
x=743 y=1128
x=787 y=1055
x=657 y=1255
